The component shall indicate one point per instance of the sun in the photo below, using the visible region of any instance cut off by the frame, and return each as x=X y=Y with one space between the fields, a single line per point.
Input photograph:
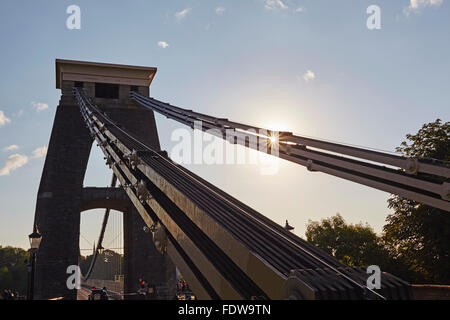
x=273 y=139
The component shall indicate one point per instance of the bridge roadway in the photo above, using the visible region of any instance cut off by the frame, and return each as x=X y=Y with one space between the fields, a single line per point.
x=83 y=293
x=85 y=290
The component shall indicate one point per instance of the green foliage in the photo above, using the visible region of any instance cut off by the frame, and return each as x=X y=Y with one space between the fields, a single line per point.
x=419 y=234
x=431 y=141
x=108 y=264
x=13 y=269
x=354 y=245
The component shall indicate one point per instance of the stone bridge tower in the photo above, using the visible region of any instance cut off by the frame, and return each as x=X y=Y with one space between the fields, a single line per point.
x=62 y=196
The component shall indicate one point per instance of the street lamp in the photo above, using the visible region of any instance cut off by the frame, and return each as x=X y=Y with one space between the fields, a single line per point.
x=35 y=241
x=288 y=227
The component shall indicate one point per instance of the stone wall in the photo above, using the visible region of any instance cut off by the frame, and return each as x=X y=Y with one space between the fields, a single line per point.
x=59 y=198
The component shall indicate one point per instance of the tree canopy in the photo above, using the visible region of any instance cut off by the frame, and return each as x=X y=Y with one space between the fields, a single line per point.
x=416 y=233
x=13 y=269
x=352 y=244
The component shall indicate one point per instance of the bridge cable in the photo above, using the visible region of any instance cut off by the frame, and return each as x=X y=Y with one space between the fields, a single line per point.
x=84 y=99
x=419 y=179
x=100 y=237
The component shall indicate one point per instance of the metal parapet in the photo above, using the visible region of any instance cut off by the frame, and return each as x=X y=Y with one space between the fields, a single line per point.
x=326 y=284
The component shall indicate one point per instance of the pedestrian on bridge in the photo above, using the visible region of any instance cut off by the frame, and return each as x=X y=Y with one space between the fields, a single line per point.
x=104 y=294
x=143 y=288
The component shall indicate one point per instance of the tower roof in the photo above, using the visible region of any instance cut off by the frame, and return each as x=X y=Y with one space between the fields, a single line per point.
x=84 y=71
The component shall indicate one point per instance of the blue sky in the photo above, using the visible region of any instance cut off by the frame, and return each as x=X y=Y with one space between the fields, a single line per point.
x=246 y=61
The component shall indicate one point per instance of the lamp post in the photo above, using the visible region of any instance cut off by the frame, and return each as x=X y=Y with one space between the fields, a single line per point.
x=288 y=227
x=35 y=241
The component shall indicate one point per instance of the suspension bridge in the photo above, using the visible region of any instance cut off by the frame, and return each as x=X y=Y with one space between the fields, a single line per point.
x=172 y=218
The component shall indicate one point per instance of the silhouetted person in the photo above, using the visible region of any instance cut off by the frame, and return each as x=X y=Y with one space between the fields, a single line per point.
x=143 y=288
x=151 y=292
x=5 y=295
x=104 y=294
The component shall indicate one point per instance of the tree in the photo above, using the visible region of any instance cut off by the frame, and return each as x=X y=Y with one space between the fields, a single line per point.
x=13 y=269
x=354 y=245
x=415 y=233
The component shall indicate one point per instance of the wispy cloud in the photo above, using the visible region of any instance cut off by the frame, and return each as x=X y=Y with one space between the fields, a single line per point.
x=11 y=148
x=13 y=162
x=163 y=44
x=182 y=14
x=299 y=10
x=39 y=106
x=417 y=5
x=39 y=152
x=220 y=11
x=275 y=4
x=3 y=119
x=309 y=75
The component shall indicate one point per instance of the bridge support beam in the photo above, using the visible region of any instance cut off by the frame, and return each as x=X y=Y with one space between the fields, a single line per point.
x=105 y=198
